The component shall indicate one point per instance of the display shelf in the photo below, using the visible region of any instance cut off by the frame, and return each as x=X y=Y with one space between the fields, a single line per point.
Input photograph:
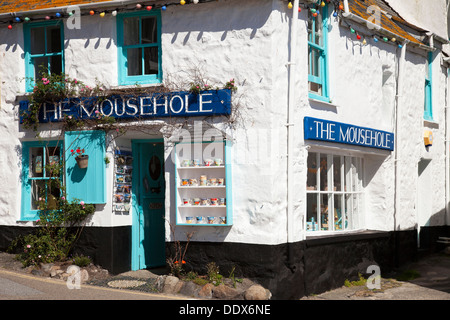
x=123 y=169
x=211 y=182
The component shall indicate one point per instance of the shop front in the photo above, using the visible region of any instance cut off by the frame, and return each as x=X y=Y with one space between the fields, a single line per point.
x=142 y=180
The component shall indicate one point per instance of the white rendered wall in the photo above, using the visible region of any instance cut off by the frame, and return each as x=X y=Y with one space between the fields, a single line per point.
x=249 y=41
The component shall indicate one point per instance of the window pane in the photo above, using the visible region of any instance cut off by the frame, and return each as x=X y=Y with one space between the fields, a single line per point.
x=56 y=65
x=323 y=173
x=40 y=66
x=53 y=194
x=149 y=30
x=315 y=87
x=337 y=173
x=356 y=175
x=36 y=163
x=131 y=31
x=348 y=174
x=337 y=216
x=134 y=60
x=318 y=30
x=37 y=191
x=52 y=158
x=311 y=182
x=348 y=211
x=324 y=212
x=311 y=214
x=314 y=60
x=151 y=60
x=356 y=210
x=37 y=40
x=53 y=39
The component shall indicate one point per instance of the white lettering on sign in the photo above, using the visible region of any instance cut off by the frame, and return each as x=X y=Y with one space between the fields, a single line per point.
x=318 y=129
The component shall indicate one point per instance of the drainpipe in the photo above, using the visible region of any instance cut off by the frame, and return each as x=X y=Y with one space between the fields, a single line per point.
x=400 y=72
x=447 y=150
x=346 y=9
x=290 y=132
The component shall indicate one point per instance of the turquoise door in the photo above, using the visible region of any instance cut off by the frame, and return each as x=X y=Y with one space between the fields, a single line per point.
x=149 y=162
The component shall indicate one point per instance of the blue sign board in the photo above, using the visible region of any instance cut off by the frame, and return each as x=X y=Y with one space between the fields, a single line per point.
x=154 y=105
x=330 y=131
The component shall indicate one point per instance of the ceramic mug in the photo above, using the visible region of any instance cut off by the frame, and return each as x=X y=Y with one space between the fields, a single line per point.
x=213 y=201
x=196 y=201
x=208 y=162
x=221 y=201
x=211 y=220
x=185 y=163
x=196 y=162
x=220 y=181
x=199 y=219
x=203 y=180
x=189 y=219
x=193 y=182
x=223 y=220
x=186 y=202
x=184 y=182
x=212 y=181
x=218 y=162
x=204 y=202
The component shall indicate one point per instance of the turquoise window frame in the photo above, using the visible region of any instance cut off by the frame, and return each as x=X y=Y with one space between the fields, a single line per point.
x=29 y=65
x=27 y=213
x=322 y=79
x=124 y=78
x=428 y=104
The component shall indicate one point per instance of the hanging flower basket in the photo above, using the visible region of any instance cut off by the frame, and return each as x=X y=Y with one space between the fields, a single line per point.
x=82 y=161
x=81 y=158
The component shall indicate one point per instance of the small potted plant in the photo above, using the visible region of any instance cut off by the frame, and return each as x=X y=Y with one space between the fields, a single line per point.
x=80 y=157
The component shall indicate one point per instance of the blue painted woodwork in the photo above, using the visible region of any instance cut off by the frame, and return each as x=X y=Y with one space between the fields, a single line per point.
x=330 y=131
x=87 y=184
x=27 y=213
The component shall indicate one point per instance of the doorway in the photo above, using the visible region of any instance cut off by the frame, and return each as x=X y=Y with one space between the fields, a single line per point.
x=148 y=226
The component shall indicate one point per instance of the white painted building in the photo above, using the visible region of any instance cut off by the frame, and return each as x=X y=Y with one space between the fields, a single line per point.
x=330 y=117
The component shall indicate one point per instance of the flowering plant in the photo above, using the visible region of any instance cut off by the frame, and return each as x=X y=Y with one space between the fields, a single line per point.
x=78 y=152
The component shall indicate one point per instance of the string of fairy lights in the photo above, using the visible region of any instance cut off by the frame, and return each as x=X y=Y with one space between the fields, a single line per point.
x=315 y=7
x=63 y=14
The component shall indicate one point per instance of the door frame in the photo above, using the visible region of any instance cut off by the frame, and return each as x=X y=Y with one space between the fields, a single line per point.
x=137 y=209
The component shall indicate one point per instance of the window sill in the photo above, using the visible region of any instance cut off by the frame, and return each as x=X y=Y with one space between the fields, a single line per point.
x=329 y=103
x=430 y=123
x=325 y=237
x=134 y=86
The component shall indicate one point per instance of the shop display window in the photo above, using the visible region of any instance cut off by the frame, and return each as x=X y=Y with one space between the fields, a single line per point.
x=335 y=192
x=203 y=182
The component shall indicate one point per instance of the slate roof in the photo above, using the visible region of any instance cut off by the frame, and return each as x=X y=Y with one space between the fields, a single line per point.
x=390 y=20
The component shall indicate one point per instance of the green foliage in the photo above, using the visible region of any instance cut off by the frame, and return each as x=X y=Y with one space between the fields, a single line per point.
x=81 y=261
x=231 y=85
x=213 y=274
x=52 y=88
x=360 y=282
x=408 y=275
x=233 y=277
x=59 y=226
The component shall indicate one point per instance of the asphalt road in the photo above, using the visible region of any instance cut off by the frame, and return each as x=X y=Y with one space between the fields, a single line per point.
x=18 y=286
